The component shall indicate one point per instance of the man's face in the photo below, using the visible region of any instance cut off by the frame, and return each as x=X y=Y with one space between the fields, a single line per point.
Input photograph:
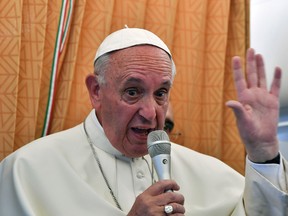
x=134 y=99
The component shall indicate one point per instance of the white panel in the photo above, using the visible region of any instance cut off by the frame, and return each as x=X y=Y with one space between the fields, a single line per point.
x=284 y=149
x=269 y=36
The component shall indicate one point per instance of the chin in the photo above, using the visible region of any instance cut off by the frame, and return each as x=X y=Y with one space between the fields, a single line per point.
x=137 y=153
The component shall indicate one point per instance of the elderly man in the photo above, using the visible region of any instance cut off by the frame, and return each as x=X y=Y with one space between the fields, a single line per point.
x=101 y=166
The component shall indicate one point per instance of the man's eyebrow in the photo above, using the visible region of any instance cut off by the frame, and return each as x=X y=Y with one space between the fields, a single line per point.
x=137 y=80
x=134 y=80
x=167 y=83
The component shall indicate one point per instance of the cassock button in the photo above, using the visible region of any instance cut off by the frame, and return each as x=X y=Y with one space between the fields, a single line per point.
x=140 y=175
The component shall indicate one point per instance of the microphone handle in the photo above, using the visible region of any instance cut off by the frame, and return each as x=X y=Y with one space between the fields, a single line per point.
x=163 y=167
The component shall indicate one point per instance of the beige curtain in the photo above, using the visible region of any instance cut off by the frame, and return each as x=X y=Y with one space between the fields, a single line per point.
x=47 y=49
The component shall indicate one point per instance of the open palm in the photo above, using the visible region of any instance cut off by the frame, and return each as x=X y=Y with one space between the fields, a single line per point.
x=257 y=108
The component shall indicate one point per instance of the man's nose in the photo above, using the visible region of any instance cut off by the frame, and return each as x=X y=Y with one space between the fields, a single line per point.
x=148 y=109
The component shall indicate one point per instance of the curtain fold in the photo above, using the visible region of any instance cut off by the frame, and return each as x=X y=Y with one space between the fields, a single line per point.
x=45 y=39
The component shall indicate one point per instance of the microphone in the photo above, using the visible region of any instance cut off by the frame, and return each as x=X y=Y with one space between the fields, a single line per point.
x=159 y=148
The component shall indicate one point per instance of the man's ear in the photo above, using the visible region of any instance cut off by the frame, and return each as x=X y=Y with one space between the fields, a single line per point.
x=93 y=89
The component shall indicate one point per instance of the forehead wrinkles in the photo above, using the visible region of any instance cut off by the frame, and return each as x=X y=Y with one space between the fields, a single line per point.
x=149 y=63
x=146 y=62
x=141 y=59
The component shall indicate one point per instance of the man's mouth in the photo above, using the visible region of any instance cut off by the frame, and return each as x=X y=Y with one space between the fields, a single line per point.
x=144 y=131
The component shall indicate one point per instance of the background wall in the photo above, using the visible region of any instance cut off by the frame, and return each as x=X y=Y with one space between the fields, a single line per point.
x=269 y=35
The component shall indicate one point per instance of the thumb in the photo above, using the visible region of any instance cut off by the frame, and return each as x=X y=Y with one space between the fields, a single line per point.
x=237 y=108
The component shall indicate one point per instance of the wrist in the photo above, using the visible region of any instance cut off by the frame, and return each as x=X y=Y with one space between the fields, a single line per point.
x=263 y=152
x=275 y=160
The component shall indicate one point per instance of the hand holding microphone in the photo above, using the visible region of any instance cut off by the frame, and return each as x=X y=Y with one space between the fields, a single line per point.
x=148 y=203
x=159 y=148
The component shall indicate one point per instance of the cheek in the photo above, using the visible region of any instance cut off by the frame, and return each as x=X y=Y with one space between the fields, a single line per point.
x=117 y=124
x=118 y=116
x=161 y=121
x=163 y=110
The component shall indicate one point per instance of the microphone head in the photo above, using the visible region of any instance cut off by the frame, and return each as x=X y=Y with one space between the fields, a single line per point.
x=158 y=143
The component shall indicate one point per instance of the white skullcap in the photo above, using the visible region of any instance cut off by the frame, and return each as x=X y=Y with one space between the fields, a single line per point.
x=129 y=37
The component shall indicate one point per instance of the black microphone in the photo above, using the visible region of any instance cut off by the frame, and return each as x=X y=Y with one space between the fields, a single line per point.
x=159 y=148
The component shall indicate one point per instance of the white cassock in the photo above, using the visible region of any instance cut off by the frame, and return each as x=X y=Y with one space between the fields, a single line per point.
x=58 y=175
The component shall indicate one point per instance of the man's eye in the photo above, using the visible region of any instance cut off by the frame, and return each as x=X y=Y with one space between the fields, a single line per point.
x=161 y=94
x=131 y=95
x=131 y=92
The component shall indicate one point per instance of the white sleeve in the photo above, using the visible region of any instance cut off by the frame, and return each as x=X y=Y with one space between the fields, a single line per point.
x=265 y=192
x=272 y=172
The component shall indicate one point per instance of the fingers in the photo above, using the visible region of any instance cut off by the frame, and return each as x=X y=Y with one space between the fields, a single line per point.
x=275 y=86
x=154 y=199
x=173 y=197
x=177 y=209
x=162 y=186
x=261 y=72
x=174 y=200
x=239 y=80
x=256 y=76
x=255 y=71
x=169 y=198
x=251 y=68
